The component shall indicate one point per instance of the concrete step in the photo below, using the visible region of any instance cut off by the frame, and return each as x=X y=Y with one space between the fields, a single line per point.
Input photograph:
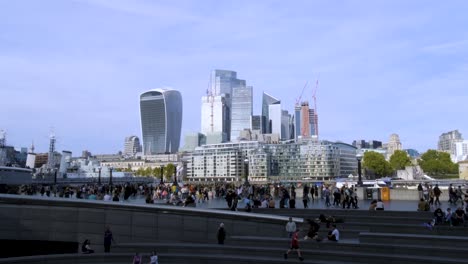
x=179 y=258
x=330 y=251
x=413 y=239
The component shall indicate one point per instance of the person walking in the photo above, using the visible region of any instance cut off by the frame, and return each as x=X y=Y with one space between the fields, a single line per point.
x=290 y=227
x=136 y=259
x=221 y=234
x=154 y=258
x=108 y=239
x=294 y=246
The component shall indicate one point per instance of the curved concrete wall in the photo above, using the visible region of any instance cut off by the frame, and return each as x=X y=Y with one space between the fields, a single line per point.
x=27 y=218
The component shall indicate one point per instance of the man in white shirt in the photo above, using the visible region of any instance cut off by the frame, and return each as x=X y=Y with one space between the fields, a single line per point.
x=107 y=197
x=334 y=235
x=290 y=227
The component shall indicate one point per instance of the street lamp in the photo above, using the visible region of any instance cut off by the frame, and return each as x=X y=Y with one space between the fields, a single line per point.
x=246 y=163
x=162 y=175
x=359 y=158
x=55 y=176
x=110 y=175
x=99 y=174
x=175 y=174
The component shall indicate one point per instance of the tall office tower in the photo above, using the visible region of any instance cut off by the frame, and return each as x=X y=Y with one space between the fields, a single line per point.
x=305 y=120
x=297 y=121
x=448 y=140
x=268 y=100
x=275 y=114
x=393 y=144
x=222 y=83
x=161 y=120
x=285 y=125
x=131 y=146
x=241 y=110
x=313 y=121
x=256 y=122
x=360 y=144
x=214 y=114
x=51 y=156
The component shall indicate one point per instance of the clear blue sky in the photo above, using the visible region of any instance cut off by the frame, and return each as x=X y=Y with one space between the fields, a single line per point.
x=384 y=66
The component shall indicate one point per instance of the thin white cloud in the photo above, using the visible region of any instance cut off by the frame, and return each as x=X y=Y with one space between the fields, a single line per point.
x=447 y=47
x=152 y=9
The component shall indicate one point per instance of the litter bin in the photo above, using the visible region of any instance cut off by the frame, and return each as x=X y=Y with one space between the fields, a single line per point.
x=368 y=194
x=385 y=193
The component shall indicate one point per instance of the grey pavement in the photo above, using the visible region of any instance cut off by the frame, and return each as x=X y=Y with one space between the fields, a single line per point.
x=220 y=203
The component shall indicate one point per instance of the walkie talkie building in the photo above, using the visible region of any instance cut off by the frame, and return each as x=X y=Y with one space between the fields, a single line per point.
x=161 y=121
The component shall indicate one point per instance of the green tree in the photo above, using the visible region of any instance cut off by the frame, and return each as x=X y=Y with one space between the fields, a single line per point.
x=399 y=160
x=169 y=171
x=437 y=163
x=376 y=162
x=140 y=172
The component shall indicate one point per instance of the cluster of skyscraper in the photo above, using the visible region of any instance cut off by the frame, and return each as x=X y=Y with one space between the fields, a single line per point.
x=227 y=110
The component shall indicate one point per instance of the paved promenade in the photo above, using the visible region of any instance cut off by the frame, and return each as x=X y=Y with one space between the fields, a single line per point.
x=220 y=203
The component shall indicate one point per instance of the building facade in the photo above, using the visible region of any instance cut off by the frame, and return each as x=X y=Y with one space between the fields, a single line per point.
x=161 y=120
x=267 y=100
x=305 y=160
x=131 y=146
x=222 y=83
x=214 y=114
x=393 y=144
x=241 y=110
x=448 y=140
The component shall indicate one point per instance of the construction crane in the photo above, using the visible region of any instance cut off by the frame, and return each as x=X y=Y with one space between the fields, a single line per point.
x=298 y=100
x=315 y=108
x=209 y=94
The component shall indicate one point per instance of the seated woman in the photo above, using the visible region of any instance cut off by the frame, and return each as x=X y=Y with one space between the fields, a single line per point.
x=86 y=247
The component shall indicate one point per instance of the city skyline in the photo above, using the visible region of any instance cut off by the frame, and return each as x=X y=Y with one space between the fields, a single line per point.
x=383 y=68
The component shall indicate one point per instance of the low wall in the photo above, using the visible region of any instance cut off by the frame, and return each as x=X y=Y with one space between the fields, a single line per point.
x=26 y=218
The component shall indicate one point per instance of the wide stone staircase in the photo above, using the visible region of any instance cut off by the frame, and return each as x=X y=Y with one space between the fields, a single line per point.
x=366 y=237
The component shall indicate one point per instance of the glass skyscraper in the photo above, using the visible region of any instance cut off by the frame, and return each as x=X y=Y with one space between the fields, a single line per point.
x=266 y=101
x=161 y=120
x=222 y=83
x=241 y=110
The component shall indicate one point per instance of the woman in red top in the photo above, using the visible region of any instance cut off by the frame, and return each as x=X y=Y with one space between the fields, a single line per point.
x=294 y=246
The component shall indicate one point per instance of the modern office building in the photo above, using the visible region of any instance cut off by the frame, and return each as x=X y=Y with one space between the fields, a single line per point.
x=461 y=151
x=222 y=83
x=297 y=121
x=275 y=115
x=215 y=115
x=241 y=110
x=448 y=140
x=257 y=122
x=267 y=100
x=132 y=146
x=193 y=140
x=313 y=121
x=305 y=120
x=161 y=120
x=285 y=125
x=371 y=144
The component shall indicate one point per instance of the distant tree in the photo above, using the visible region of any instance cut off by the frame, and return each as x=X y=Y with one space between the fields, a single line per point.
x=437 y=163
x=140 y=172
x=399 y=160
x=169 y=171
x=376 y=163
x=156 y=172
x=148 y=172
